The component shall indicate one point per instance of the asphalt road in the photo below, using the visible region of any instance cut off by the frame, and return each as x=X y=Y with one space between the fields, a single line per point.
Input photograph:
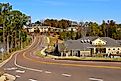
x=26 y=66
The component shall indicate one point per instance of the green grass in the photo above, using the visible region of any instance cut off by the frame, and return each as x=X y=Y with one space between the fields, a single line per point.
x=6 y=56
x=38 y=53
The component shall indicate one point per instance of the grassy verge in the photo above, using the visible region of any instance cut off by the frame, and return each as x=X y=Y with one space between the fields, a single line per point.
x=53 y=41
x=38 y=53
x=90 y=59
x=6 y=56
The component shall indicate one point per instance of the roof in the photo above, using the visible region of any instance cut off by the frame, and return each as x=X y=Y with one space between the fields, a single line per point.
x=89 y=38
x=43 y=26
x=76 y=45
x=119 y=41
x=110 y=42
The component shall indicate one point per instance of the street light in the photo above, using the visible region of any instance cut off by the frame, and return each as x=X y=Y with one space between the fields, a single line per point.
x=2 y=50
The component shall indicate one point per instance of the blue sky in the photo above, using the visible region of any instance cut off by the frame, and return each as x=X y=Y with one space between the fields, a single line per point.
x=77 y=10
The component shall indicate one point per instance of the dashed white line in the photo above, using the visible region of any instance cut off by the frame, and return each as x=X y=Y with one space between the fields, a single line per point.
x=32 y=80
x=19 y=71
x=67 y=75
x=48 y=72
x=17 y=76
x=13 y=68
x=95 y=79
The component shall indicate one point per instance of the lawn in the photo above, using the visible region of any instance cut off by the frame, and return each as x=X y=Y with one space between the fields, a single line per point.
x=38 y=53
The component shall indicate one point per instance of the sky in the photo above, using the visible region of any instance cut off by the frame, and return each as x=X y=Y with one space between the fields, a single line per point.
x=75 y=10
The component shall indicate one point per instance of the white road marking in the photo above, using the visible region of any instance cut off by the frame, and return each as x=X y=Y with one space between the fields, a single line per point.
x=67 y=75
x=95 y=79
x=13 y=68
x=32 y=80
x=15 y=62
x=17 y=76
x=19 y=71
x=48 y=72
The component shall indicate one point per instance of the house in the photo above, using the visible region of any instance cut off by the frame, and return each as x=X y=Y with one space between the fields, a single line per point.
x=72 y=29
x=90 y=46
x=43 y=28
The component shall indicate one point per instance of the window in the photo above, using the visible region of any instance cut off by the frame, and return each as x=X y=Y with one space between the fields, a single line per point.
x=109 y=49
x=113 y=48
x=118 y=49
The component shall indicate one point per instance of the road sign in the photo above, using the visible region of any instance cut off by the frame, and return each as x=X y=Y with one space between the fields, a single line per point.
x=2 y=50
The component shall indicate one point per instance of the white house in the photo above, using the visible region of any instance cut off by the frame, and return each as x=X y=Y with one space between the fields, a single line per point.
x=72 y=29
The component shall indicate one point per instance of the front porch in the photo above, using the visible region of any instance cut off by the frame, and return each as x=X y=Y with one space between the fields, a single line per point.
x=77 y=53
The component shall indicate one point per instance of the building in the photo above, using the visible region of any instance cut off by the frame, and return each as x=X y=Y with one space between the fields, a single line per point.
x=44 y=28
x=90 y=46
x=72 y=29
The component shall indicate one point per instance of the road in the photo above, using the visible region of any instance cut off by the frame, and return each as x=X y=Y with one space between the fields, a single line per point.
x=26 y=66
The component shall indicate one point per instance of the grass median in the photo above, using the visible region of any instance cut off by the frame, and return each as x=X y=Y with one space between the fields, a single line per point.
x=74 y=58
x=39 y=54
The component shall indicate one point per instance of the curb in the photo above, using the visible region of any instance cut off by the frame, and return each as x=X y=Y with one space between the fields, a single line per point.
x=87 y=60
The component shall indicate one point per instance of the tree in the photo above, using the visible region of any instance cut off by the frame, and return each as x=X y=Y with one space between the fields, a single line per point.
x=12 y=22
x=5 y=15
x=94 y=29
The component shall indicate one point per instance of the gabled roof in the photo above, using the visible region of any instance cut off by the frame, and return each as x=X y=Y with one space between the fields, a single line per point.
x=89 y=37
x=101 y=39
x=111 y=42
x=77 y=45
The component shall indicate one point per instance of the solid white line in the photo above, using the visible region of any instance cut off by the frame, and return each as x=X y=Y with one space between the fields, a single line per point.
x=4 y=62
x=67 y=75
x=95 y=79
x=15 y=62
x=33 y=55
x=48 y=72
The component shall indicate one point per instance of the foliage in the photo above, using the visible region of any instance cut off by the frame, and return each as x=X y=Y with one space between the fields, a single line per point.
x=12 y=22
x=106 y=29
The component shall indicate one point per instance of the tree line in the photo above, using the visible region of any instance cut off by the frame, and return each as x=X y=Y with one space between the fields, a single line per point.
x=12 y=34
x=107 y=29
